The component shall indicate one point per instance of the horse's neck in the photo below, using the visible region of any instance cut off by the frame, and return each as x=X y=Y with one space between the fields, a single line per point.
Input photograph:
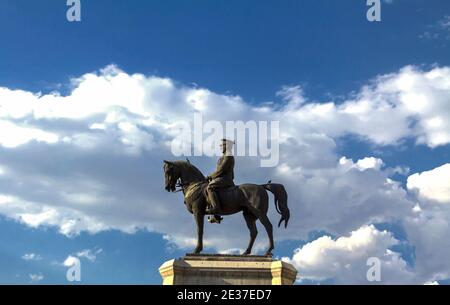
x=190 y=184
x=191 y=177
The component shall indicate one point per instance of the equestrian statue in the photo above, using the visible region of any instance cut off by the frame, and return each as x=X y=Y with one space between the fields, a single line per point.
x=216 y=195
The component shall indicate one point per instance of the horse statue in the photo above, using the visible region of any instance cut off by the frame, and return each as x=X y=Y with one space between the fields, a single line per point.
x=251 y=199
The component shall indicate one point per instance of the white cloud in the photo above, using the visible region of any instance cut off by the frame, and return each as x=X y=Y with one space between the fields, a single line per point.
x=428 y=232
x=74 y=259
x=363 y=164
x=92 y=160
x=432 y=185
x=426 y=224
x=438 y=30
x=12 y=135
x=428 y=229
x=31 y=257
x=71 y=261
x=34 y=214
x=36 y=277
x=411 y=103
x=345 y=259
x=292 y=94
x=370 y=163
x=90 y=255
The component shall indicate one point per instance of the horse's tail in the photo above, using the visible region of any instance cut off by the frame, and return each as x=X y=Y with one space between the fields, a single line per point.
x=280 y=198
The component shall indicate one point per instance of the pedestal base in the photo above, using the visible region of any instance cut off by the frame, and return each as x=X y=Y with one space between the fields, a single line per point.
x=204 y=269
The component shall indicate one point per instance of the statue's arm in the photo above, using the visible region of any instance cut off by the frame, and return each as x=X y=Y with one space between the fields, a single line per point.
x=222 y=168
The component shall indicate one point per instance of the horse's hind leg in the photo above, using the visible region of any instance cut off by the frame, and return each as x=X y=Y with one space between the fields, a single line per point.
x=259 y=211
x=267 y=225
x=269 y=229
x=250 y=219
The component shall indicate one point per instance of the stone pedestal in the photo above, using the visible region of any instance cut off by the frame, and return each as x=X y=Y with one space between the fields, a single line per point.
x=204 y=269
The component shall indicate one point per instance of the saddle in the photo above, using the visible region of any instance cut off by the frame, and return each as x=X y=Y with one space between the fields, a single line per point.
x=225 y=194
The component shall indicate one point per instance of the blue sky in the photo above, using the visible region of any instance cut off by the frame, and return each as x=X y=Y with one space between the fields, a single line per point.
x=250 y=49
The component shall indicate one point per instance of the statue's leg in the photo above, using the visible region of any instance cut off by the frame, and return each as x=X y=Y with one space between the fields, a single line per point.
x=250 y=219
x=213 y=199
x=199 y=219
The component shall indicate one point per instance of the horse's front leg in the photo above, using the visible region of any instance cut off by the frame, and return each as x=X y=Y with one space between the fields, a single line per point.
x=199 y=219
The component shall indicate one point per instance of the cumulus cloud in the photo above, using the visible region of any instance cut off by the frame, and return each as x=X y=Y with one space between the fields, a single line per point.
x=13 y=135
x=363 y=164
x=91 y=160
x=432 y=185
x=428 y=229
x=410 y=103
x=340 y=198
x=345 y=259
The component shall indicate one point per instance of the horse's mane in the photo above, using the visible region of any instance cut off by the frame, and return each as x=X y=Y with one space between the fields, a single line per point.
x=188 y=166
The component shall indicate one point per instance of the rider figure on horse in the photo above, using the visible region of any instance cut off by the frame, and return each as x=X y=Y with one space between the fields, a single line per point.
x=222 y=178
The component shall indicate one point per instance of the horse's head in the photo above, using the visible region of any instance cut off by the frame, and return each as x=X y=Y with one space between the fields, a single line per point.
x=171 y=174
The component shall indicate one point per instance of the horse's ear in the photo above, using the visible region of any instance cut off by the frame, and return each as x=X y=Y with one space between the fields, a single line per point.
x=188 y=161
x=168 y=162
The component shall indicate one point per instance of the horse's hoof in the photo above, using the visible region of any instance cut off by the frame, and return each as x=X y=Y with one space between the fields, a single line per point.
x=246 y=253
x=269 y=253
x=197 y=250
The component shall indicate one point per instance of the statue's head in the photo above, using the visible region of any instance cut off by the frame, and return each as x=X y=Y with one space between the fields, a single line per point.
x=171 y=175
x=226 y=146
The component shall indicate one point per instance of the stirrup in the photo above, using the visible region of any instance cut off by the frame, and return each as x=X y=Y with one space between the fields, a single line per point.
x=215 y=219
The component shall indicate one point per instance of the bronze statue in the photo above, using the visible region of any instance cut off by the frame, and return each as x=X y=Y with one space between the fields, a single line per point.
x=227 y=199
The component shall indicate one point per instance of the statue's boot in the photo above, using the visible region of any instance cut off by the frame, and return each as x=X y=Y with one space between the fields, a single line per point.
x=215 y=219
